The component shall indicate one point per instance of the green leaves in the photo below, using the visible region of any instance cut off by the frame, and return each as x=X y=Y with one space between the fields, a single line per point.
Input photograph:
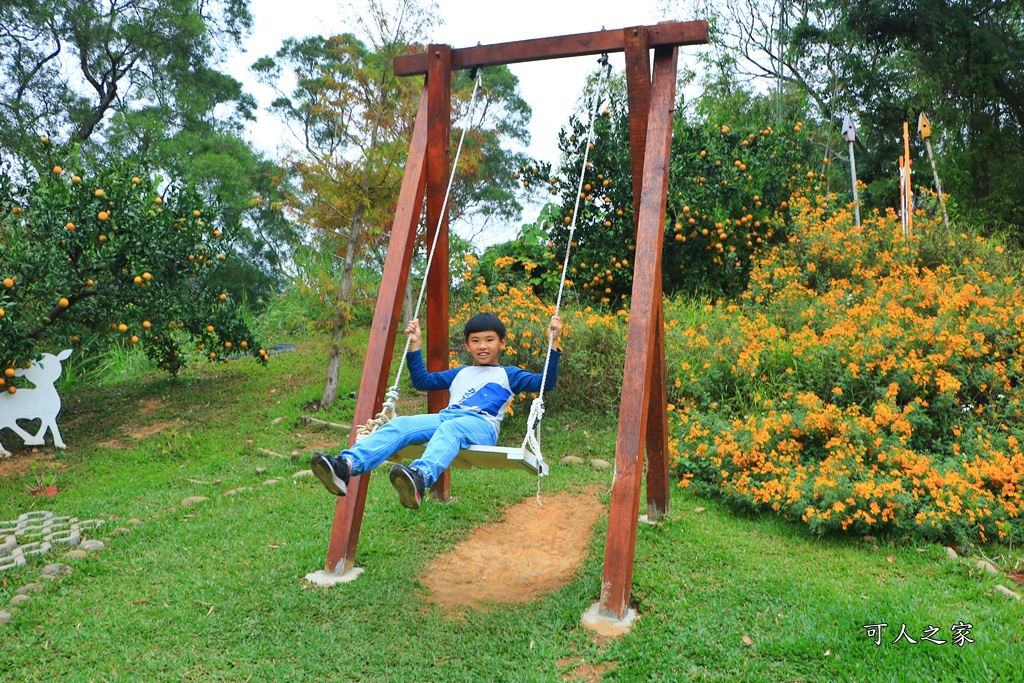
x=110 y=253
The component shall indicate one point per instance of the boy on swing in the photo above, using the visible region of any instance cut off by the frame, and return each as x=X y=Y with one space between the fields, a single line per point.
x=480 y=395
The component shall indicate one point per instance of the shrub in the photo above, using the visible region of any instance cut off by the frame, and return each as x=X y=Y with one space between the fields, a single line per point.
x=112 y=254
x=853 y=387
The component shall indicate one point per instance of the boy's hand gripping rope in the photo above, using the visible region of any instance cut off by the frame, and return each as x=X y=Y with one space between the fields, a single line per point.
x=531 y=442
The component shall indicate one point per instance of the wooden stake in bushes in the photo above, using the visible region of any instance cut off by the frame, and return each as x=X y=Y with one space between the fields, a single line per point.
x=850 y=134
x=903 y=195
x=924 y=129
x=909 y=193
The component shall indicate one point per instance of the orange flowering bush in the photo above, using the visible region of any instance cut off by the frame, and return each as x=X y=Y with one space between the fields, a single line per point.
x=866 y=380
x=590 y=372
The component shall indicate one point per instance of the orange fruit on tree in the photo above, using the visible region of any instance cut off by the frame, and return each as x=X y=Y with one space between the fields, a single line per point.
x=134 y=339
x=197 y=213
x=201 y=346
x=136 y=180
x=158 y=200
x=209 y=328
x=137 y=279
x=245 y=344
x=227 y=345
x=146 y=324
x=63 y=303
x=147 y=276
x=2 y=312
x=103 y=238
x=216 y=233
x=103 y=215
x=12 y=389
x=58 y=170
x=100 y=193
x=122 y=328
x=89 y=283
x=8 y=282
x=223 y=297
x=76 y=179
x=70 y=226
x=213 y=355
x=9 y=372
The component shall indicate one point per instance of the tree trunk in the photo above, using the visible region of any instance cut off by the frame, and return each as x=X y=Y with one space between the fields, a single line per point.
x=407 y=304
x=340 y=323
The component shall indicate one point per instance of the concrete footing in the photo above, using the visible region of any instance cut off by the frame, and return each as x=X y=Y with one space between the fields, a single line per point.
x=607 y=626
x=322 y=578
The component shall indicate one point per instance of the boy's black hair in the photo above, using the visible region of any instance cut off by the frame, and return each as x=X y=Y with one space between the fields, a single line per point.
x=484 y=322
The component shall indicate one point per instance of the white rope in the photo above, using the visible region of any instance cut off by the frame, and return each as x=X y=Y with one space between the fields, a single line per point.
x=387 y=411
x=531 y=441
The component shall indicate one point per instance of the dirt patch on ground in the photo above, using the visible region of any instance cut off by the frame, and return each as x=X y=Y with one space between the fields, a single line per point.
x=140 y=433
x=532 y=551
x=581 y=672
x=150 y=406
x=20 y=464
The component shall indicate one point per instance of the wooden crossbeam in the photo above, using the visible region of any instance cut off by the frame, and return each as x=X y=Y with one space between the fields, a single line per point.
x=666 y=34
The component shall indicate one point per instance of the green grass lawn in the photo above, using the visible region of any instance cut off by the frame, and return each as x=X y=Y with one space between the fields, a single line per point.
x=215 y=592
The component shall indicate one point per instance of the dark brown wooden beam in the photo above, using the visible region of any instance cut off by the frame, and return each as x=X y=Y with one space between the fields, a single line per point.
x=348 y=513
x=638 y=79
x=439 y=135
x=620 y=548
x=666 y=34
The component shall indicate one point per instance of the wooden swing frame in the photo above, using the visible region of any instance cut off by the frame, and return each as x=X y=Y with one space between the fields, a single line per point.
x=642 y=417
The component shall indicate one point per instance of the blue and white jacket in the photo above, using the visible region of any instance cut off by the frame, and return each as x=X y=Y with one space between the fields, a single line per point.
x=483 y=389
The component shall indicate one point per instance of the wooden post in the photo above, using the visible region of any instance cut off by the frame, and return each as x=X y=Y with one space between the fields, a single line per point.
x=620 y=548
x=638 y=78
x=348 y=512
x=439 y=129
x=908 y=181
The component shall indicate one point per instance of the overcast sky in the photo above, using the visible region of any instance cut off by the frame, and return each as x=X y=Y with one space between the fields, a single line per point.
x=551 y=87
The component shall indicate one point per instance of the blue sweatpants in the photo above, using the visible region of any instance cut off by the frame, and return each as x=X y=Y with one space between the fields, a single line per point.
x=445 y=433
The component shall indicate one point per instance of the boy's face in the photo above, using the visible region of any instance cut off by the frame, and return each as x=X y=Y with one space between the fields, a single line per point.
x=485 y=347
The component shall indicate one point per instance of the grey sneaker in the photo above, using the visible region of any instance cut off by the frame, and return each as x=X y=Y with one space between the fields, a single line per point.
x=333 y=472
x=410 y=486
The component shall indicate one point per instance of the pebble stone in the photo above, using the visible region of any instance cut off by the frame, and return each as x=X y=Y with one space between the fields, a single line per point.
x=76 y=554
x=55 y=571
x=261 y=470
x=92 y=544
x=271 y=482
x=302 y=473
x=235 y=492
x=135 y=521
x=599 y=464
x=1007 y=592
x=18 y=599
x=987 y=566
x=30 y=588
x=951 y=554
x=193 y=500
x=5 y=616
x=571 y=460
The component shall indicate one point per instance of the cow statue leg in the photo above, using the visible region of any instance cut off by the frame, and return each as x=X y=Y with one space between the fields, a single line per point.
x=51 y=424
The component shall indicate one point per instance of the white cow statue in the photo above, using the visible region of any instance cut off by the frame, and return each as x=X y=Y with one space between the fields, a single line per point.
x=41 y=403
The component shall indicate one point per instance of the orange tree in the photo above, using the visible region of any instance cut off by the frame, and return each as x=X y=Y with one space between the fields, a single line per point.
x=111 y=254
x=729 y=185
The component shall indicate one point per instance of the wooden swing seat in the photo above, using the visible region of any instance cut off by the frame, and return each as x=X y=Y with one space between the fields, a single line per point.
x=502 y=457
x=482 y=456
